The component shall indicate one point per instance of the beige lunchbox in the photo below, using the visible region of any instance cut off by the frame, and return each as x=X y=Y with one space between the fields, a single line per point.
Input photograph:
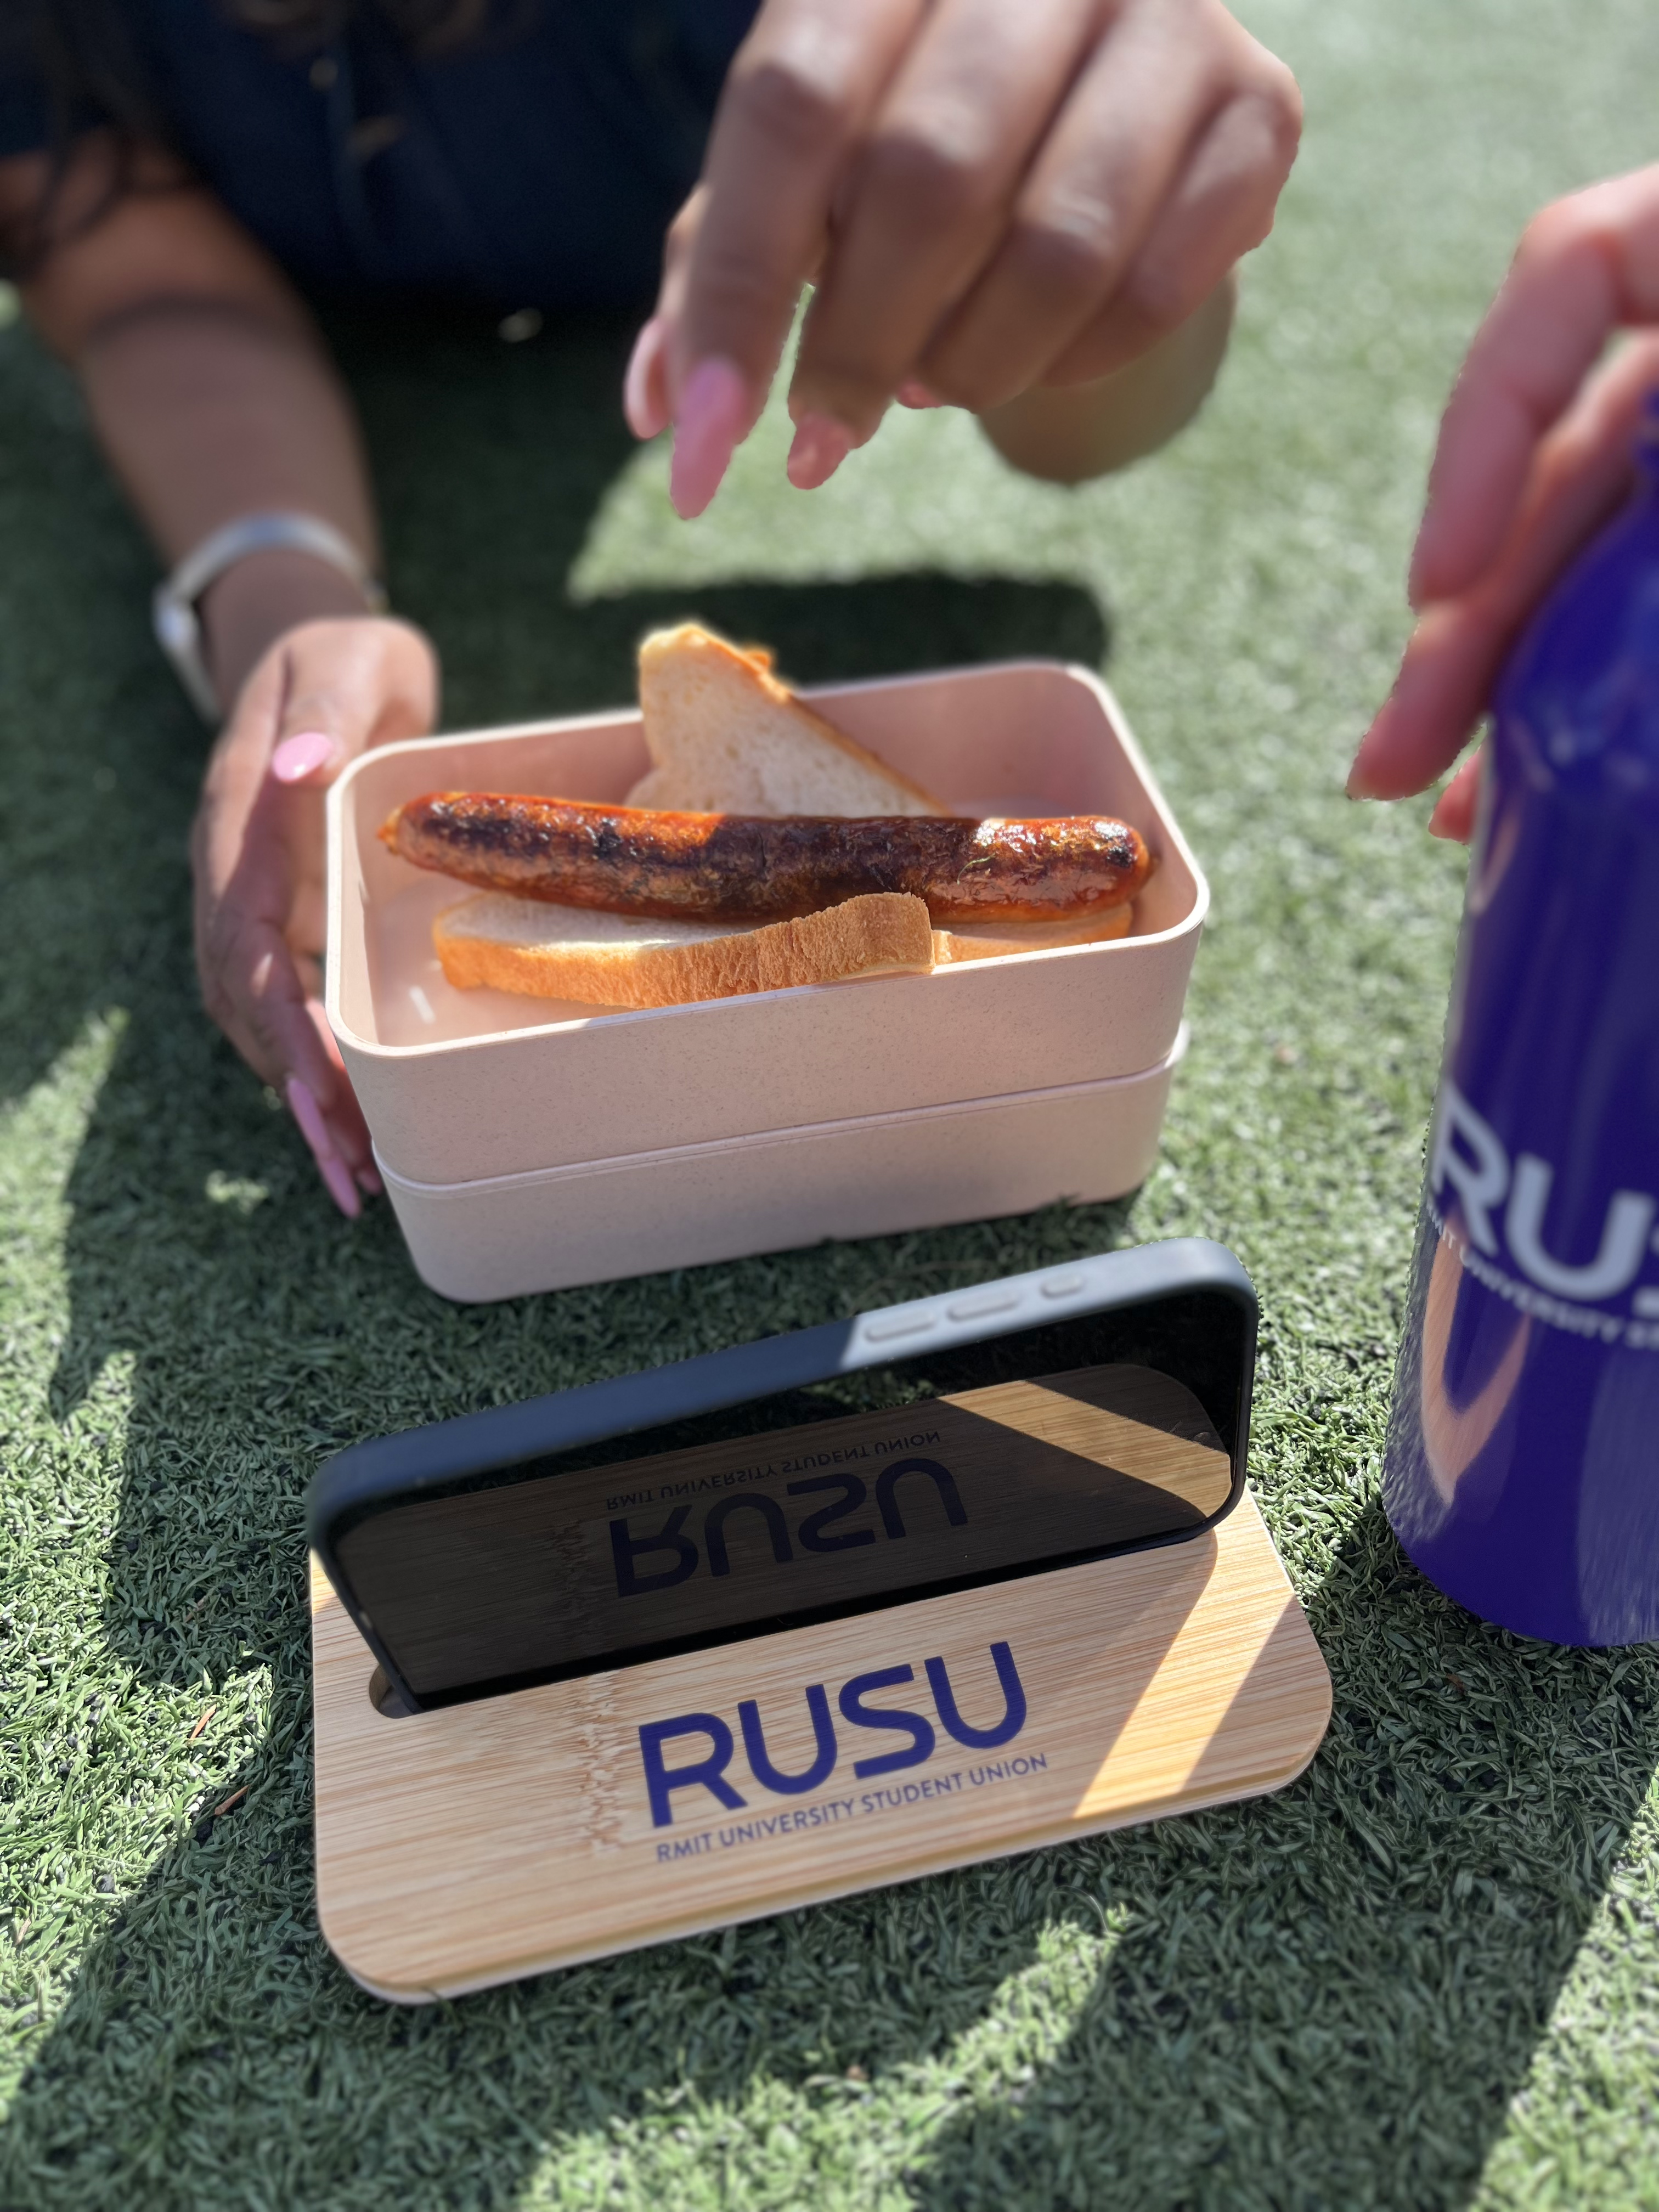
x=530 y=1144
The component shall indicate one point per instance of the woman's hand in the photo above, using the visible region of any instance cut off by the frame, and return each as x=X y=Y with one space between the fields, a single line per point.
x=214 y=398
x=989 y=197
x=324 y=693
x=1534 y=453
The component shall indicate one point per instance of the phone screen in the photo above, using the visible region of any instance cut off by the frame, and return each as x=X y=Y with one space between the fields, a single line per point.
x=1000 y=1458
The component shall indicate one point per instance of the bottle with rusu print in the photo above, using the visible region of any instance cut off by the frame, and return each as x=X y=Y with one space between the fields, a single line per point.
x=1522 y=1472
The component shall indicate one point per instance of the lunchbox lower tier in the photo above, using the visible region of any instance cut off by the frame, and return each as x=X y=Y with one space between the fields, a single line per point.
x=510 y=1236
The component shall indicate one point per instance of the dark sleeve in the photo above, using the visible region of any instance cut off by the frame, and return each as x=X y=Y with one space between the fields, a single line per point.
x=38 y=106
x=25 y=119
x=24 y=103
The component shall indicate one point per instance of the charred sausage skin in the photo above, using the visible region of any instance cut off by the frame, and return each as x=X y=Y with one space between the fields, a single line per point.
x=754 y=868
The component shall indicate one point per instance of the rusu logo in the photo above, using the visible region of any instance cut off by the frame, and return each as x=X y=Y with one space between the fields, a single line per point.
x=1468 y=1155
x=636 y=1558
x=709 y=1772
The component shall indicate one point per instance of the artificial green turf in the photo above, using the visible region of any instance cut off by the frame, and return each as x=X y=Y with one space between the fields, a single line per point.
x=1422 y=1977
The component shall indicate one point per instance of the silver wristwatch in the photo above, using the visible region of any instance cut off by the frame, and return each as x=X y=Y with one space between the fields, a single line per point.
x=179 y=627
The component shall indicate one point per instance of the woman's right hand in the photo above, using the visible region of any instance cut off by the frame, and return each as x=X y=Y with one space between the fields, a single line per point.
x=325 y=692
x=988 y=198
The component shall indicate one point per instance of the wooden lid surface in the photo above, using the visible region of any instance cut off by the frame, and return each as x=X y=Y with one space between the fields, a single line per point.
x=497 y=1838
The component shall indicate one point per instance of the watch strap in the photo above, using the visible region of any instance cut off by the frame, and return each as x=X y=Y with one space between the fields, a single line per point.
x=178 y=625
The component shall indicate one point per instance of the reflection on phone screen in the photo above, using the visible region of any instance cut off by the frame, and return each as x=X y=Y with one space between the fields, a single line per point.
x=986 y=1461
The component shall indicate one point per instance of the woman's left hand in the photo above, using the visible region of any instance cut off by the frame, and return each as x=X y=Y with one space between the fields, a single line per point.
x=325 y=692
x=1534 y=453
x=988 y=197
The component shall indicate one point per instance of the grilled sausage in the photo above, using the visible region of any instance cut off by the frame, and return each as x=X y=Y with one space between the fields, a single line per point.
x=753 y=868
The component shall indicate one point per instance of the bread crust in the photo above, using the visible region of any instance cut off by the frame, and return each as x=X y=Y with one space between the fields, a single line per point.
x=883 y=933
x=996 y=940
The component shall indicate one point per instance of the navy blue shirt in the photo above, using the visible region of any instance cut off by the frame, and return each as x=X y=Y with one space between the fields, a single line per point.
x=537 y=165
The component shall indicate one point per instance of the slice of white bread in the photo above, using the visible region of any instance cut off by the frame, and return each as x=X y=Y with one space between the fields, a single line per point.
x=993 y=941
x=726 y=736
x=506 y=943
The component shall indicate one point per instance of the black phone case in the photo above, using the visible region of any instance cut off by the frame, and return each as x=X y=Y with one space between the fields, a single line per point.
x=506 y=1442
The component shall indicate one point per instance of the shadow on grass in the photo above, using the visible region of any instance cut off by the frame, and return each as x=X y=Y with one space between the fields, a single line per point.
x=489 y=501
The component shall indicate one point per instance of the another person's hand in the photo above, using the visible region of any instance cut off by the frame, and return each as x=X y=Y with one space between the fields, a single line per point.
x=990 y=196
x=1534 y=453
x=324 y=693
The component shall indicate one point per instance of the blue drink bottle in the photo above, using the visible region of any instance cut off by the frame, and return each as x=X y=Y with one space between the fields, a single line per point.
x=1522 y=1472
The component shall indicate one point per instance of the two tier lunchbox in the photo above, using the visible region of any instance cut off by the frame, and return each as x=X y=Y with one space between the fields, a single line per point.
x=530 y=1144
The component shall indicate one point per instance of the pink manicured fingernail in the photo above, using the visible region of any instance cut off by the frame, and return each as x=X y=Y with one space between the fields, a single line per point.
x=820 y=446
x=645 y=407
x=369 y=1181
x=302 y=755
x=341 y=1187
x=912 y=393
x=302 y=1104
x=714 y=415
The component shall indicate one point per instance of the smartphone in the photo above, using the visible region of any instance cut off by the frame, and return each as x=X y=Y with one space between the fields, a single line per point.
x=1020 y=1427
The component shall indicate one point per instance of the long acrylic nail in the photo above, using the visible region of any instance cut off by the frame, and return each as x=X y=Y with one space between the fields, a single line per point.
x=714 y=415
x=341 y=1187
x=308 y=1114
x=821 y=445
x=302 y=1104
x=302 y=755
x=646 y=410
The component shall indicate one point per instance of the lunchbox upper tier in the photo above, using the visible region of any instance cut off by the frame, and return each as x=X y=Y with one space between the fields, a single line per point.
x=458 y=1085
